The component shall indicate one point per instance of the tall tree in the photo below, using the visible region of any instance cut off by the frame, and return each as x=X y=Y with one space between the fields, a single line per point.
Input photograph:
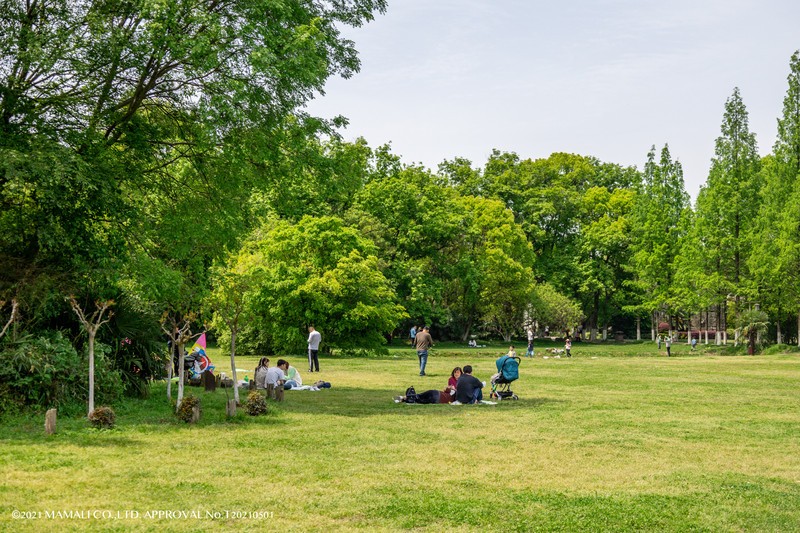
x=726 y=210
x=604 y=251
x=776 y=257
x=657 y=220
x=121 y=119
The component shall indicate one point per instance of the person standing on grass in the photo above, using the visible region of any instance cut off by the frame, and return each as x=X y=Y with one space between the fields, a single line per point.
x=694 y=343
x=469 y=389
x=314 y=338
x=568 y=346
x=423 y=343
x=667 y=344
x=529 y=352
x=413 y=334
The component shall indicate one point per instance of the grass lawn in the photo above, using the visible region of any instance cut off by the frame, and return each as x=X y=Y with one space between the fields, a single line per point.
x=616 y=438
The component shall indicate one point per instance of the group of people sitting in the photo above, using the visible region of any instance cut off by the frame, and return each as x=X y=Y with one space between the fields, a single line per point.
x=462 y=388
x=283 y=374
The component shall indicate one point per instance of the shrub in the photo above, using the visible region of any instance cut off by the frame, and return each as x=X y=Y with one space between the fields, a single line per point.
x=47 y=371
x=188 y=403
x=256 y=404
x=780 y=349
x=103 y=417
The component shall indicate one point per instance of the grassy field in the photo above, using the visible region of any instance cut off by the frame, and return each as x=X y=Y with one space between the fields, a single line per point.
x=616 y=438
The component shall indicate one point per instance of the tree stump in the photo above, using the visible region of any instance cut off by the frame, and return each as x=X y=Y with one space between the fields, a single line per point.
x=279 y=393
x=50 y=421
x=209 y=382
x=195 y=414
x=270 y=391
x=230 y=408
x=251 y=385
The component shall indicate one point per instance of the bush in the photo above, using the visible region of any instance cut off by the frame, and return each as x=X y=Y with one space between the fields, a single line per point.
x=188 y=404
x=256 y=404
x=103 y=417
x=780 y=349
x=46 y=371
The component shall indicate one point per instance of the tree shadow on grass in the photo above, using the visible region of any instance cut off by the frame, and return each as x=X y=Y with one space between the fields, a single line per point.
x=360 y=403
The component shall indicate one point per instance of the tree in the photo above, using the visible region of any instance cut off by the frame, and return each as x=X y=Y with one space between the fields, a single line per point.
x=752 y=323
x=412 y=218
x=553 y=309
x=776 y=257
x=12 y=317
x=489 y=264
x=234 y=283
x=91 y=324
x=660 y=206
x=124 y=123
x=177 y=327
x=604 y=250
x=320 y=272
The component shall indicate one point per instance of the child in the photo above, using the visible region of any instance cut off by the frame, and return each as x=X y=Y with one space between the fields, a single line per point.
x=511 y=352
x=529 y=353
x=568 y=346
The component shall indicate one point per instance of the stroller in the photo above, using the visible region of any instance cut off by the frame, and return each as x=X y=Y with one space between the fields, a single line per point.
x=507 y=372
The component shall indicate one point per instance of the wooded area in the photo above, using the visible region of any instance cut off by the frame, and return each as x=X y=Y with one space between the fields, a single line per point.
x=157 y=155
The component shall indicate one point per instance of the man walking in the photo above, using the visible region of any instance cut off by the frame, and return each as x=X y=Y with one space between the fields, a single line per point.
x=423 y=343
x=314 y=338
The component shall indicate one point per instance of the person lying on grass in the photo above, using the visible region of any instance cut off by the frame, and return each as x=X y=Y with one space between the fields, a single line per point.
x=433 y=395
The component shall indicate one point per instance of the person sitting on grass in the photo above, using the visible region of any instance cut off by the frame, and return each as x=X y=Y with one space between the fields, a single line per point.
x=260 y=374
x=293 y=379
x=277 y=375
x=468 y=388
x=453 y=382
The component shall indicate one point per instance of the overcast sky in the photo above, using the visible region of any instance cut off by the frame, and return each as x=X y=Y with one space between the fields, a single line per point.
x=607 y=78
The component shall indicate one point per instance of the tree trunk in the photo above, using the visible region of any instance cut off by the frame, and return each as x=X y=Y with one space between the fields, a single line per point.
x=778 y=324
x=233 y=365
x=181 y=377
x=798 y=328
x=91 y=371
x=50 y=421
x=638 y=328
x=467 y=329
x=725 y=323
x=170 y=365
x=653 y=326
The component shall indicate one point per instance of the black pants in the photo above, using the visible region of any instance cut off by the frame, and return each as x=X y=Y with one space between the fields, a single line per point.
x=429 y=396
x=313 y=361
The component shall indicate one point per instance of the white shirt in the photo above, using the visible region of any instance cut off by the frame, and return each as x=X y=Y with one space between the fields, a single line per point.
x=314 y=338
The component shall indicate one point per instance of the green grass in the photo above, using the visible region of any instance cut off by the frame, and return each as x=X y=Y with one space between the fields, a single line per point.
x=616 y=438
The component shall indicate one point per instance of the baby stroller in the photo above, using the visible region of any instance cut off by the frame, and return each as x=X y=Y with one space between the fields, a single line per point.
x=507 y=372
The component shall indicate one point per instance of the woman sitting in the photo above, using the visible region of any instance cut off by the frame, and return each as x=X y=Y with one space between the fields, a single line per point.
x=260 y=374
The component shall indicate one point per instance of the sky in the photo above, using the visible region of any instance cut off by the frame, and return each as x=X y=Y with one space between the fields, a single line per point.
x=608 y=78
